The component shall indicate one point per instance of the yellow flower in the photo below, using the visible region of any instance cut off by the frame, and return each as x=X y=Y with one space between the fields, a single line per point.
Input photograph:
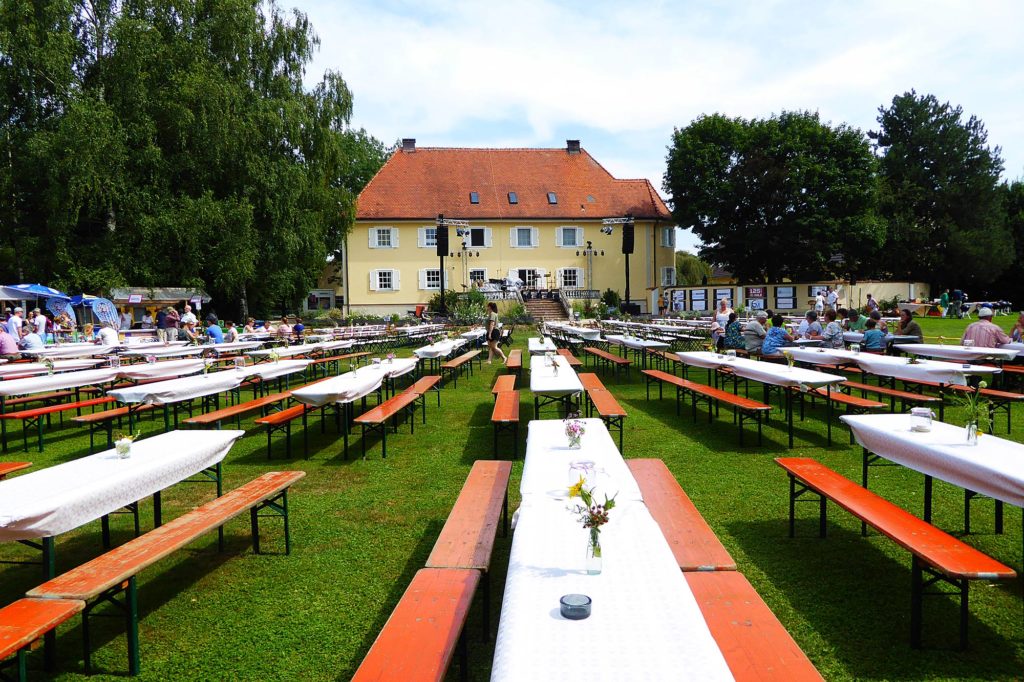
x=576 y=490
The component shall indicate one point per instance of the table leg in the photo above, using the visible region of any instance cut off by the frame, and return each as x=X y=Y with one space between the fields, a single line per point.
x=928 y=499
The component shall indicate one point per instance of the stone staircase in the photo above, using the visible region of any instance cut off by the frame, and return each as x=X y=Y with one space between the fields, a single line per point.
x=544 y=309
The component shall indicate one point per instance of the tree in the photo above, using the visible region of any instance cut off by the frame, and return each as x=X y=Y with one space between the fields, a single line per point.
x=1009 y=284
x=939 y=194
x=777 y=197
x=154 y=142
x=690 y=270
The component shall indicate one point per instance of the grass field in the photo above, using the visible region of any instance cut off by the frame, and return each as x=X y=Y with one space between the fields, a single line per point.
x=360 y=530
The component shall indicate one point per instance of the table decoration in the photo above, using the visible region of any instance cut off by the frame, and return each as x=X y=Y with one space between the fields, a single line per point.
x=855 y=348
x=574 y=606
x=48 y=364
x=592 y=515
x=789 y=358
x=977 y=410
x=274 y=356
x=912 y=360
x=390 y=357
x=574 y=429
x=123 y=444
x=150 y=359
x=921 y=419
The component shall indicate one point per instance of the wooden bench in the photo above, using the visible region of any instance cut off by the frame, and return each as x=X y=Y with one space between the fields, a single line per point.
x=282 y=420
x=23 y=622
x=743 y=408
x=105 y=420
x=608 y=409
x=505 y=417
x=504 y=382
x=997 y=399
x=605 y=359
x=425 y=385
x=335 y=360
x=514 y=361
x=467 y=539
x=937 y=556
x=236 y=412
x=753 y=642
x=108 y=575
x=893 y=394
x=573 y=361
x=694 y=545
x=376 y=419
x=667 y=359
x=34 y=417
x=10 y=467
x=853 y=404
x=425 y=629
x=455 y=366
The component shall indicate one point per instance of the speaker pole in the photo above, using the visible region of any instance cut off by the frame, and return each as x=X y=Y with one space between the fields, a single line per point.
x=444 y=305
x=627 y=281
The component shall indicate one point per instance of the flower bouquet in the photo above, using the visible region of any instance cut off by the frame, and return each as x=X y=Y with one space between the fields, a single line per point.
x=574 y=430
x=390 y=357
x=789 y=358
x=123 y=444
x=592 y=515
x=274 y=356
x=977 y=412
x=48 y=364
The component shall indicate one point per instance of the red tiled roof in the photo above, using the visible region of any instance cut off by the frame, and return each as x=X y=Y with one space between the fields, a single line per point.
x=431 y=180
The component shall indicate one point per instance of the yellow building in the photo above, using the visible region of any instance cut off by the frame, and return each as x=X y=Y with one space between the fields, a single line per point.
x=530 y=214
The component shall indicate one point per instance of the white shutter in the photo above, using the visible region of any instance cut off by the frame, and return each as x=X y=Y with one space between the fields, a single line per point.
x=579 y=237
x=579 y=278
x=396 y=280
x=512 y=237
x=373 y=280
x=423 y=278
x=558 y=236
x=487 y=237
x=445 y=279
x=421 y=237
x=560 y=276
x=373 y=237
x=534 y=236
x=394 y=237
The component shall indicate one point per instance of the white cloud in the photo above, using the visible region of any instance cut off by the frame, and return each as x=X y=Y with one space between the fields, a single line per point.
x=521 y=74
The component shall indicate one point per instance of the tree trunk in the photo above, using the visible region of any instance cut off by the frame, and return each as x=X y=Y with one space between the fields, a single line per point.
x=244 y=307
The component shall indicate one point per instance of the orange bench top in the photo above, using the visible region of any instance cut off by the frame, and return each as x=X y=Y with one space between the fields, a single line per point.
x=506 y=407
x=461 y=360
x=665 y=376
x=283 y=416
x=570 y=358
x=11 y=467
x=611 y=357
x=847 y=399
x=505 y=382
x=26 y=620
x=514 y=358
x=93 y=577
x=388 y=408
x=239 y=409
x=38 y=397
x=590 y=381
x=467 y=539
x=709 y=391
x=605 y=403
x=936 y=547
x=894 y=392
x=52 y=409
x=694 y=545
x=105 y=415
x=753 y=642
x=424 y=384
x=419 y=639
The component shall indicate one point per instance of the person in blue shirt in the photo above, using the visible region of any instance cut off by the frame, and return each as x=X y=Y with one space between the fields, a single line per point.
x=874 y=338
x=213 y=331
x=776 y=338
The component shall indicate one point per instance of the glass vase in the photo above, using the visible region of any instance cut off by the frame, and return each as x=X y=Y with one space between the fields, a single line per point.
x=972 y=433
x=574 y=442
x=594 y=552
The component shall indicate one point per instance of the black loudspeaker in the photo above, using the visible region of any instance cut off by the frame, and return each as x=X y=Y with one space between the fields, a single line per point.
x=627 y=238
x=442 y=241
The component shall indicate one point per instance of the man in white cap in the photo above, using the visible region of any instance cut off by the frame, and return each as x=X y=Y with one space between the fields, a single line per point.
x=14 y=324
x=985 y=333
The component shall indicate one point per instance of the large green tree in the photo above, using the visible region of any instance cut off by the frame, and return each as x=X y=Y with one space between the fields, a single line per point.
x=939 y=194
x=776 y=197
x=690 y=270
x=159 y=142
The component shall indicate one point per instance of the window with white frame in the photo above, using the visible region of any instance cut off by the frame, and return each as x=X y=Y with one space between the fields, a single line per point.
x=479 y=237
x=478 y=274
x=668 y=237
x=427 y=237
x=430 y=278
x=668 y=276
x=524 y=237
x=570 y=278
x=569 y=237
x=384 y=280
x=383 y=237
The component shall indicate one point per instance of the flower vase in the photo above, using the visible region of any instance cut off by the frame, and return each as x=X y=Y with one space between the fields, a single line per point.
x=594 y=552
x=123 y=448
x=574 y=442
x=972 y=433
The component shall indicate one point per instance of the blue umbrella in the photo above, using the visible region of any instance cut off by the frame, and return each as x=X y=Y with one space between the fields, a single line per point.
x=19 y=292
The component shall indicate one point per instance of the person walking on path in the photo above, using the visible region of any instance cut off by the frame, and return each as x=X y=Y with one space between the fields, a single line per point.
x=493 y=333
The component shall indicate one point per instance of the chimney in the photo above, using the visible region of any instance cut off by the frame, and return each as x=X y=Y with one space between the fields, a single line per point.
x=572 y=146
x=408 y=144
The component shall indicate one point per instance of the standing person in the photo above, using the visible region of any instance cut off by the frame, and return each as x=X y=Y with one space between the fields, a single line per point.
x=493 y=333
x=172 y=322
x=14 y=323
x=189 y=316
x=147 y=319
x=944 y=302
x=40 y=320
x=908 y=327
x=831 y=299
x=819 y=303
x=161 y=325
x=985 y=333
x=126 y=318
x=722 y=313
x=872 y=305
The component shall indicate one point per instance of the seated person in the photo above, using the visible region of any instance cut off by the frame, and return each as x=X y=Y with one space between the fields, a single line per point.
x=107 y=335
x=855 y=322
x=188 y=333
x=298 y=330
x=213 y=331
x=874 y=338
x=231 y=335
x=776 y=337
x=733 y=334
x=985 y=333
x=754 y=332
x=8 y=345
x=908 y=327
x=879 y=322
x=250 y=326
x=30 y=339
x=813 y=329
x=717 y=335
x=284 y=330
x=832 y=335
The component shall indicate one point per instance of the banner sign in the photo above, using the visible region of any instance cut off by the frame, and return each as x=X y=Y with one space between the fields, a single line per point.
x=135 y=298
x=106 y=312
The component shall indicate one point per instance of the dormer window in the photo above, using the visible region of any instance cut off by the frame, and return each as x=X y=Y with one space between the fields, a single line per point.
x=474 y=197
x=513 y=198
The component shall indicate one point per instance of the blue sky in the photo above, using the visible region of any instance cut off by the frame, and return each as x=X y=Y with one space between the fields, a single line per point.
x=620 y=76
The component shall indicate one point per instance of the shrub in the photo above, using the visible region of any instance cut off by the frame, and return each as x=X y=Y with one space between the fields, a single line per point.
x=611 y=298
x=517 y=313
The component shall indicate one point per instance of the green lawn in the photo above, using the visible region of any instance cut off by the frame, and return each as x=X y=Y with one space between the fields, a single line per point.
x=360 y=529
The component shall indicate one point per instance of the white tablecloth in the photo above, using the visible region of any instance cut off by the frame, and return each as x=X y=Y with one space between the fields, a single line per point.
x=537 y=345
x=823 y=356
x=157 y=370
x=551 y=466
x=353 y=385
x=57 y=382
x=764 y=372
x=961 y=353
x=161 y=351
x=302 y=349
x=75 y=350
x=234 y=346
x=474 y=334
x=994 y=467
x=31 y=368
x=1016 y=345
x=923 y=370
x=60 y=498
x=585 y=333
x=440 y=349
x=635 y=342
x=544 y=381
x=273 y=370
x=177 y=390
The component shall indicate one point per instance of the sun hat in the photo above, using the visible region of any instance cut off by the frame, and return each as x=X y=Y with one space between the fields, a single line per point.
x=985 y=312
